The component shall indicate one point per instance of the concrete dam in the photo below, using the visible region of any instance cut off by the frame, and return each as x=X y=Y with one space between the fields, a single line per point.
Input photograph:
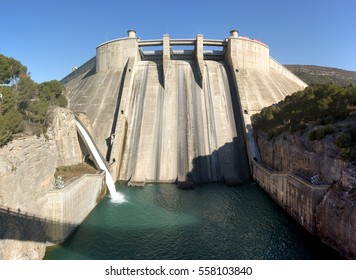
x=178 y=115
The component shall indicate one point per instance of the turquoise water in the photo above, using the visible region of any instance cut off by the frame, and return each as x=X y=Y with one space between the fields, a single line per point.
x=210 y=221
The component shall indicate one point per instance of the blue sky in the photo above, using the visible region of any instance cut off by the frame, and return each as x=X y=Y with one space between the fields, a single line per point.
x=52 y=36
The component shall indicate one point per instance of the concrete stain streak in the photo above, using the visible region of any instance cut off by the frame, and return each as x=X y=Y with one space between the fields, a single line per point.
x=205 y=124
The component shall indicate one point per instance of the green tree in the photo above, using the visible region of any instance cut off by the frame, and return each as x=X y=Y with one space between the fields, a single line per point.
x=17 y=69
x=5 y=70
x=37 y=111
x=12 y=121
x=10 y=70
x=27 y=90
x=10 y=118
x=322 y=103
x=52 y=92
x=9 y=99
x=62 y=101
x=25 y=102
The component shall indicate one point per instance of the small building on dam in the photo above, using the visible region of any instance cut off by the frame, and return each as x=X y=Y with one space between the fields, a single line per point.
x=180 y=112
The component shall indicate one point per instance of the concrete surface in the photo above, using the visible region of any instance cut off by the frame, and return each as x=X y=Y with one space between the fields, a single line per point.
x=181 y=132
x=66 y=208
x=173 y=120
x=295 y=195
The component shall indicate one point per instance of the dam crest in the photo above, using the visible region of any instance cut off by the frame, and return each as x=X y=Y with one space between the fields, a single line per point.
x=164 y=114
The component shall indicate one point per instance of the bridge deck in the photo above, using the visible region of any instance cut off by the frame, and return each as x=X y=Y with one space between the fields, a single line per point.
x=181 y=42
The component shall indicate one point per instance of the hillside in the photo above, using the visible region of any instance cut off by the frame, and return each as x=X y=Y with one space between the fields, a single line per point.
x=312 y=135
x=323 y=75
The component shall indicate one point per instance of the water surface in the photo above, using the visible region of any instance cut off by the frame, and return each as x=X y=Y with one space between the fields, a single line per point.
x=211 y=221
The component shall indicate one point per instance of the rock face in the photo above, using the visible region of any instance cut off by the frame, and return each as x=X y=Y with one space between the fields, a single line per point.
x=297 y=154
x=27 y=167
x=336 y=213
x=65 y=135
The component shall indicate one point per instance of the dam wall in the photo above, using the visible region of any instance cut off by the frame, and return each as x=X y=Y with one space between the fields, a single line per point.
x=114 y=54
x=66 y=208
x=87 y=66
x=247 y=53
x=295 y=195
x=96 y=96
x=260 y=81
x=175 y=116
x=181 y=132
x=280 y=69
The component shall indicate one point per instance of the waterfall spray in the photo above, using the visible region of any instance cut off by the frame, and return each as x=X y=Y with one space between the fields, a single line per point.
x=116 y=197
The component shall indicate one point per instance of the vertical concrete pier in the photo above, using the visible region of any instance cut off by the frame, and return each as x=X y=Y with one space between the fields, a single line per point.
x=166 y=56
x=199 y=57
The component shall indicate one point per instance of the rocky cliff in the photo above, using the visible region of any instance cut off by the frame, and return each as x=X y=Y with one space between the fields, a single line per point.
x=336 y=219
x=27 y=167
x=297 y=154
x=319 y=162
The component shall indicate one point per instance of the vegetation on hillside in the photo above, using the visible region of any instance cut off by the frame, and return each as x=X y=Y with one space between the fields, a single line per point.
x=319 y=105
x=323 y=75
x=23 y=103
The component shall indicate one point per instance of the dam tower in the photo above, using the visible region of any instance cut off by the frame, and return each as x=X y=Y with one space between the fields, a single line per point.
x=178 y=110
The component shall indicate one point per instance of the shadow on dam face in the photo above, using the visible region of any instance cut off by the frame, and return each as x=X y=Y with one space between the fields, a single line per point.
x=217 y=167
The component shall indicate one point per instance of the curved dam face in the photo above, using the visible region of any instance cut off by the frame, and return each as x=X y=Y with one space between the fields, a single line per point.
x=182 y=132
x=178 y=116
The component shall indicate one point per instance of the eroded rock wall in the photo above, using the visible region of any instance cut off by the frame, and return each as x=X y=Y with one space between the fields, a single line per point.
x=27 y=167
x=335 y=215
x=297 y=154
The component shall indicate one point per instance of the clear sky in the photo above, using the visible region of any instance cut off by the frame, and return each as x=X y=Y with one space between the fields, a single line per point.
x=52 y=36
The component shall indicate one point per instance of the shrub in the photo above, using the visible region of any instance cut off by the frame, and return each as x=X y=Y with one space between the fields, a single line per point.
x=313 y=135
x=5 y=135
x=344 y=140
x=327 y=120
x=11 y=120
x=62 y=101
x=299 y=127
x=274 y=133
x=346 y=153
x=353 y=134
x=38 y=110
x=320 y=133
x=10 y=123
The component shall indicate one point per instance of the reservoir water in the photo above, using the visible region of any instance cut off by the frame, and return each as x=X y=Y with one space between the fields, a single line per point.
x=209 y=221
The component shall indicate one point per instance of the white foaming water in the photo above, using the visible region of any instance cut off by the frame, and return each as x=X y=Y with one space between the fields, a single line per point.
x=116 y=197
